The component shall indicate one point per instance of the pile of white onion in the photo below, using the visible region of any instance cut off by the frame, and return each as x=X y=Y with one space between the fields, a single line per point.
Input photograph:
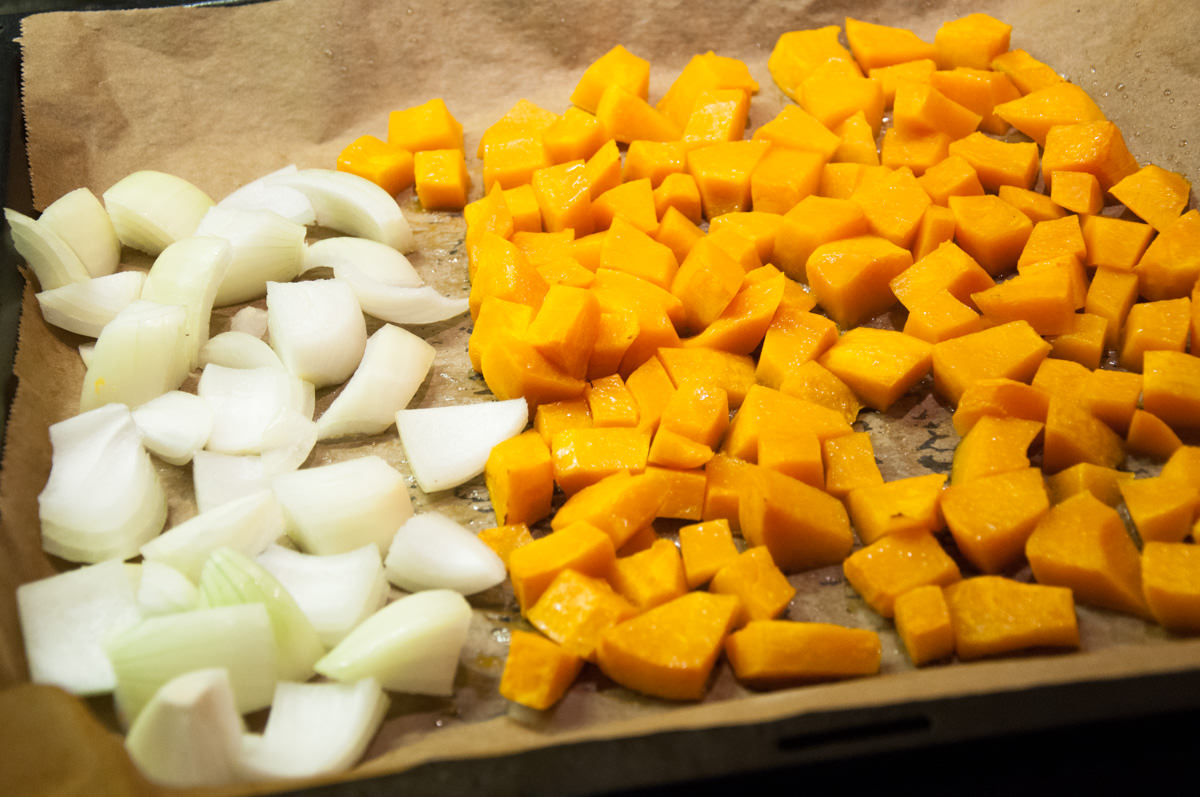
x=314 y=590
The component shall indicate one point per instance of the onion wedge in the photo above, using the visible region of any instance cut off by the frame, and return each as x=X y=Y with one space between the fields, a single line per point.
x=317 y=329
x=140 y=354
x=411 y=645
x=190 y=733
x=246 y=401
x=375 y=260
x=65 y=619
x=449 y=445
x=81 y=220
x=336 y=591
x=174 y=426
x=314 y=729
x=400 y=304
x=188 y=273
x=339 y=507
x=260 y=194
x=351 y=204
x=151 y=209
x=394 y=364
x=238 y=350
x=52 y=261
x=164 y=590
x=85 y=307
x=103 y=498
x=266 y=247
x=432 y=551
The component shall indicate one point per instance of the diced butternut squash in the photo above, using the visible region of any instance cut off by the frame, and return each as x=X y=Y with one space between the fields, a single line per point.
x=388 y=165
x=892 y=565
x=1170 y=579
x=901 y=506
x=670 y=650
x=990 y=230
x=879 y=365
x=952 y=176
x=1095 y=147
x=652 y=388
x=814 y=382
x=1170 y=266
x=1100 y=481
x=972 y=41
x=783 y=177
x=705 y=547
x=1150 y=436
x=1012 y=351
x=875 y=45
x=703 y=72
x=617 y=67
x=552 y=417
x=619 y=505
x=1155 y=195
x=833 y=93
x=850 y=464
x=1057 y=104
x=564 y=197
x=682 y=492
x=770 y=654
x=537 y=672
x=994 y=444
x=1026 y=72
x=575 y=609
x=733 y=373
x=949 y=268
x=920 y=107
x=651 y=576
x=1161 y=325
x=802 y=526
x=632 y=202
x=993 y=615
x=610 y=402
x=505 y=539
x=1162 y=509
x=991 y=517
x=581 y=547
x=999 y=397
x=1112 y=396
x=575 y=135
x=849 y=277
x=981 y=90
x=1073 y=434
x=1082 y=544
x=765 y=409
x=1114 y=242
x=722 y=172
x=565 y=328
x=923 y=622
x=519 y=476
x=441 y=179
x=1111 y=293
x=813 y=221
x=760 y=586
x=513 y=368
x=797 y=52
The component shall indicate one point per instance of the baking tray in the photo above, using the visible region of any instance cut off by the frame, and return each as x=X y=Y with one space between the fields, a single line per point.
x=1046 y=727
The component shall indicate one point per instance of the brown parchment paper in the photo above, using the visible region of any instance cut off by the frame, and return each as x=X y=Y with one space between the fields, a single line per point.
x=221 y=95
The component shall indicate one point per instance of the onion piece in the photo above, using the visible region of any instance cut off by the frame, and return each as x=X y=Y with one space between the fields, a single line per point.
x=174 y=426
x=152 y=209
x=411 y=645
x=246 y=401
x=238 y=350
x=314 y=729
x=190 y=732
x=260 y=194
x=230 y=578
x=432 y=551
x=394 y=364
x=85 y=307
x=266 y=247
x=336 y=591
x=249 y=524
x=317 y=329
x=164 y=590
x=377 y=261
x=339 y=507
x=52 y=261
x=103 y=498
x=219 y=479
x=449 y=445
x=188 y=272
x=140 y=354
x=86 y=350
x=288 y=441
x=400 y=304
x=351 y=204
x=251 y=320
x=81 y=220
x=66 y=617
x=148 y=654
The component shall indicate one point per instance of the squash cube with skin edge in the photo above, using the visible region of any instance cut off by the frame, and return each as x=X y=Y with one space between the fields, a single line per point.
x=575 y=609
x=901 y=506
x=768 y=654
x=519 y=476
x=1170 y=579
x=993 y=615
x=537 y=672
x=892 y=565
x=991 y=517
x=923 y=622
x=802 y=526
x=879 y=365
x=1082 y=544
x=651 y=576
x=617 y=67
x=850 y=277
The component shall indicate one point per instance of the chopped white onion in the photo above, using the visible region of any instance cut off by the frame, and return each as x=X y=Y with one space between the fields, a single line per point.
x=65 y=619
x=81 y=220
x=164 y=590
x=400 y=304
x=411 y=645
x=287 y=441
x=336 y=591
x=314 y=729
x=140 y=354
x=251 y=320
x=86 y=350
x=85 y=307
x=52 y=261
x=432 y=551
x=350 y=204
x=447 y=446
x=230 y=578
x=345 y=505
x=246 y=401
x=375 y=260
x=317 y=329
x=190 y=732
x=248 y=524
x=152 y=209
x=234 y=349
x=266 y=247
x=393 y=366
x=103 y=498
x=260 y=194
x=174 y=425
x=188 y=272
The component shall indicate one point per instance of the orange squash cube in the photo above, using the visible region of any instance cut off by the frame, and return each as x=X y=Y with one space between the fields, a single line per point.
x=949 y=268
x=994 y=444
x=795 y=128
x=990 y=230
x=768 y=654
x=519 y=476
x=814 y=382
x=1026 y=72
x=1073 y=435
x=722 y=172
x=505 y=539
x=580 y=547
x=797 y=52
x=850 y=277
x=441 y=179
x=733 y=373
x=1058 y=104
x=584 y=456
x=765 y=409
x=994 y=615
x=427 y=126
x=992 y=517
x=760 y=586
x=894 y=203
x=892 y=565
x=849 y=463
x=616 y=67
x=565 y=328
x=706 y=283
x=1162 y=509
x=783 y=177
x=575 y=609
x=575 y=135
x=1077 y=192
x=681 y=491
x=632 y=202
x=653 y=161
x=705 y=547
x=923 y=622
x=972 y=41
x=999 y=397
x=650 y=577
x=1170 y=266
x=792 y=339
x=717 y=115
x=1114 y=242
x=813 y=221
x=802 y=526
x=537 y=672
x=620 y=505
x=981 y=90
x=921 y=108
x=1013 y=351
x=999 y=162
x=879 y=365
x=900 y=506
x=1170 y=575
x=832 y=93
x=1102 y=482
x=951 y=176
x=1171 y=388
x=703 y=72
x=388 y=165
x=1154 y=194
x=940 y=316
x=875 y=45
x=1095 y=147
